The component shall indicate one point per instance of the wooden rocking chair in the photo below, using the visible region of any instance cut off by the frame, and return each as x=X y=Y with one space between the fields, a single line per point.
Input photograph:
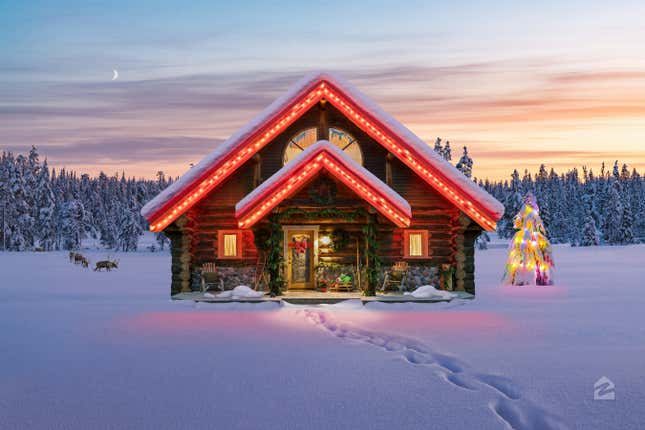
x=396 y=277
x=210 y=278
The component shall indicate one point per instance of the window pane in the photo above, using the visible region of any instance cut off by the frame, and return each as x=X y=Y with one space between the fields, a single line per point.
x=230 y=245
x=300 y=142
x=308 y=137
x=354 y=151
x=347 y=143
x=416 y=244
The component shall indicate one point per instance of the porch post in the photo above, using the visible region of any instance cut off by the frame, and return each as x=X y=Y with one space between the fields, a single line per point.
x=466 y=234
x=275 y=256
x=323 y=126
x=180 y=233
x=371 y=258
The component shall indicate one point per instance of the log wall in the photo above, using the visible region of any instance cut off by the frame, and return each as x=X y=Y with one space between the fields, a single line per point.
x=217 y=212
x=451 y=235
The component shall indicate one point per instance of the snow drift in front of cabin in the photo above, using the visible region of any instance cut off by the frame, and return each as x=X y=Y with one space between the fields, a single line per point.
x=430 y=292
x=239 y=292
x=84 y=349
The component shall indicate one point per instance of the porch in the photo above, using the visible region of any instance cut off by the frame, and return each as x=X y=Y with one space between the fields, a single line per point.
x=312 y=297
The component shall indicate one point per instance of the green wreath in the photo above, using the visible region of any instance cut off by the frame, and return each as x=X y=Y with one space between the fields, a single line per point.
x=323 y=191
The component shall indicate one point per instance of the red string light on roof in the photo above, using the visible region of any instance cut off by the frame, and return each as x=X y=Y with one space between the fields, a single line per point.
x=406 y=156
x=239 y=157
x=289 y=186
x=323 y=90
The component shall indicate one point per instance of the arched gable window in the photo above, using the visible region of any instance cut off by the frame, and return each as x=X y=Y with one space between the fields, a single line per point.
x=305 y=138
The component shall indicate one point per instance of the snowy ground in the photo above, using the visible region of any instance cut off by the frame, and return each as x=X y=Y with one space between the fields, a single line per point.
x=83 y=349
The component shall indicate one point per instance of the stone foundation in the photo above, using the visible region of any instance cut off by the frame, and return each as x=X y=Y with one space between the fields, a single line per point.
x=245 y=275
x=422 y=275
x=232 y=277
x=417 y=277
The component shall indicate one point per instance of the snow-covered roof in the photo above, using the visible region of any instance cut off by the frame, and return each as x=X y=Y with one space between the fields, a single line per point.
x=225 y=148
x=302 y=169
x=219 y=164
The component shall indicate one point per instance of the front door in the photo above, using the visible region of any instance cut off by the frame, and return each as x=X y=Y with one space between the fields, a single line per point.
x=300 y=258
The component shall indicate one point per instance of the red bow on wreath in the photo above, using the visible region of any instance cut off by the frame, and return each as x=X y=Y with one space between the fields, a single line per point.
x=300 y=245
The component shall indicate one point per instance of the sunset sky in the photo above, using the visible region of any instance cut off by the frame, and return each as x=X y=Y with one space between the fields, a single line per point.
x=518 y=82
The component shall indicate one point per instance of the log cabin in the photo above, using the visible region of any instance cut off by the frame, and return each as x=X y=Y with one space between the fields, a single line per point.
x=323 y=189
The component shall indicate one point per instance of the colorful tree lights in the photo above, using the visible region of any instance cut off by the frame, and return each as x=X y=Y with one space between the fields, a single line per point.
x=529 y=257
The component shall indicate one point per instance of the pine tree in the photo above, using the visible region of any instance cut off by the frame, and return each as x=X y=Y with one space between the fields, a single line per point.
x=447 y=153
x=529 y=258
x=45 y=210
x=19 y=219
x=72 y=224
x=615 y=171
x=129 y=229
x=437 y=146
x=624 y=173
x=557 y=209
x=162 y=240
x=627 y=225
x=465 y=164
x=638 y=205
x=512 y=204
x=482 y=240
x=31 y=171
x=614 y=217
x=589 y=236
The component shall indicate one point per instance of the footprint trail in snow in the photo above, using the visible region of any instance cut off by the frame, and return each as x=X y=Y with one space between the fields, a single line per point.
x=506 y=400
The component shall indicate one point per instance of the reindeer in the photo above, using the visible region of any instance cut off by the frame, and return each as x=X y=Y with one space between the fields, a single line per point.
x=78 y=258
x=107 y=265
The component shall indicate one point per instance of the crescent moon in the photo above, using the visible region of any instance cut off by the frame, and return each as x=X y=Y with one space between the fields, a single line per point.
x=116 y=74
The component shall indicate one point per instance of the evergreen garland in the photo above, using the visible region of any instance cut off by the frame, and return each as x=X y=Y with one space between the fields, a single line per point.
x=275 y=259
x=339 y=239
x=323 y=213
x=373 y=259
x=323 y=191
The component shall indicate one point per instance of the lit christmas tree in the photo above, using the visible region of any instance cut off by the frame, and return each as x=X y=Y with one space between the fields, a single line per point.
x=529 y=258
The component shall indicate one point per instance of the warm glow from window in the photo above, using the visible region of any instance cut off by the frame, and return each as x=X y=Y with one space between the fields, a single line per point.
x=416 y=245
x=299 y=143
x=347 y=143
x=230 y=245
x=308 y=137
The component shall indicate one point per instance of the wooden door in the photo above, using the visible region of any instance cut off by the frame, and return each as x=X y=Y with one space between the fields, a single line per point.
x=300 y=258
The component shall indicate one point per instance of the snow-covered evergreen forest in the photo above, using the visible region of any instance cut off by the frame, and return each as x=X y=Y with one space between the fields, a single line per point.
x=45 y=209
x=579 y=207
